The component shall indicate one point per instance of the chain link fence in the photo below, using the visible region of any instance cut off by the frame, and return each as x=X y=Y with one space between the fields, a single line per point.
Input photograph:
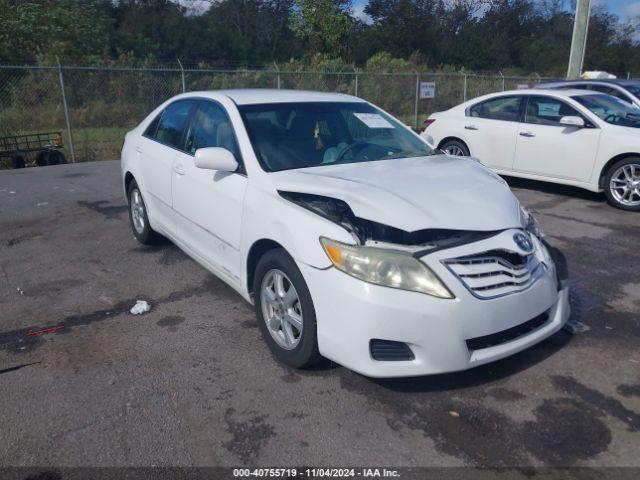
x=94 y=107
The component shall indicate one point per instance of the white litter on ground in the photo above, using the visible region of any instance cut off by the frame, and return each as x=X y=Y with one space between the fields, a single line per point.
x=575 y=326
x=42 y=204
x=140 y=307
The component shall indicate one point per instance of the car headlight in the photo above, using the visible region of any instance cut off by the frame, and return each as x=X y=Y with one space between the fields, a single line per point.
x=529 y=223
x=385 y=267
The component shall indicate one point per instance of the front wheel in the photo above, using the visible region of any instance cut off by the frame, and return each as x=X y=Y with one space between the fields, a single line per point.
x=455 y=148
x=285 y=311
x=622 y=184
x=139 y=218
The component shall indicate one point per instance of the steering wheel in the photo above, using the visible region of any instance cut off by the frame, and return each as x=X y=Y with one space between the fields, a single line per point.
x=355 y=147
x=612 y=118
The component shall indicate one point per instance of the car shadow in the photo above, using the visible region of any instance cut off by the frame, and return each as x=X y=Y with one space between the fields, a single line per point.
x=555 y=189
x=481 y=375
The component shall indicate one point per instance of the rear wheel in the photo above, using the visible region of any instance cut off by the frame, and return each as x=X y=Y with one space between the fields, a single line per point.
x=55 y=158
x=622 y=184
x=456 y=148
x=285 y=311
x=17 y=161
x=140 y=219
x=42 y=158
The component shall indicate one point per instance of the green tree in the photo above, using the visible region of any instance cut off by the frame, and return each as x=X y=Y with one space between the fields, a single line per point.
x=324 y=24
x=33 y=29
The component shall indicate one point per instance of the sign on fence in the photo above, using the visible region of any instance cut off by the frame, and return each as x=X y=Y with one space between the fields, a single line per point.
x=523 y=86
x=427 y=90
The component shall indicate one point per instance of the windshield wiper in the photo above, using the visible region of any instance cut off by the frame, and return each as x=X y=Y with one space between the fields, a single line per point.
x=409 y=154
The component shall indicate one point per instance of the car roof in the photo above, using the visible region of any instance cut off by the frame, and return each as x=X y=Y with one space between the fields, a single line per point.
x=622 y=82
x=532 y=91
x=254 y=96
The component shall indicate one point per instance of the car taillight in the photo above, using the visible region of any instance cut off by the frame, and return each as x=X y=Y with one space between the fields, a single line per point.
x=426 y=123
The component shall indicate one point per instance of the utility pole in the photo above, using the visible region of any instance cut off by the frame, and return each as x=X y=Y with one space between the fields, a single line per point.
x=579 y=39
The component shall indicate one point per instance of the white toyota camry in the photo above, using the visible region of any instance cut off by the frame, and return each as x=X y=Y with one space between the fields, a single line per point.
x=341 y=225
x=575 y=137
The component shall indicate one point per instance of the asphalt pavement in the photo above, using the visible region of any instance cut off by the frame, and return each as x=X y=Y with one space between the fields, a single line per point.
x=192 y=383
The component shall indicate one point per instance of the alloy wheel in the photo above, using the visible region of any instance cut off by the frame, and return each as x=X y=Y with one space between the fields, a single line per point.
x=281 y=309
x=454 y=150
x=137 y=211
x=625 y=185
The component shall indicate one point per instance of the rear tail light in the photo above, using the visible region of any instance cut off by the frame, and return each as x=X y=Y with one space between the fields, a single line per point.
x=426 y=123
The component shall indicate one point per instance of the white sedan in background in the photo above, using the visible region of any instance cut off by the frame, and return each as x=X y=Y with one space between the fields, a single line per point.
x=340 y=224
x=575 y=137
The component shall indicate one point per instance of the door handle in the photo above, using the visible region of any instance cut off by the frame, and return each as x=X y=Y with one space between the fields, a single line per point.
x=470 y=127
x=179 y=169
x=527 y=134
x=139 y=149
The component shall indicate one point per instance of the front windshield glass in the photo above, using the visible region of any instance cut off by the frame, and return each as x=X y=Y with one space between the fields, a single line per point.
x=298 y=135
x=611 y=109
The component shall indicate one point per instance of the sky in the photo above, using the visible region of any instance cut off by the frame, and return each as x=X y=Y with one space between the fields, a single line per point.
x=625 y=9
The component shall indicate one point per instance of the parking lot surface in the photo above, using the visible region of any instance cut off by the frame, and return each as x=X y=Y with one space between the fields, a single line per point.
x=192 y=383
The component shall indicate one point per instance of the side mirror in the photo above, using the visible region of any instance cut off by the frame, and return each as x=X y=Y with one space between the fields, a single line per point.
x=571 y=121
x=216 y=158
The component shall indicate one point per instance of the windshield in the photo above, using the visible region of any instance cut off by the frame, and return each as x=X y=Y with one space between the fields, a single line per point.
x=298 y=135
x=611 y=110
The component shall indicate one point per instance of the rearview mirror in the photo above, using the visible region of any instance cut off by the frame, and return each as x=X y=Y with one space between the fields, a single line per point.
x=571 y=121
x=216 y=158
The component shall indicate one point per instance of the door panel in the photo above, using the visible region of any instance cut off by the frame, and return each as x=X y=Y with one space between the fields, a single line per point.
x=156 y=151
x=546 y=148
x=492 y=141
x=208 y=204
x=491 y=129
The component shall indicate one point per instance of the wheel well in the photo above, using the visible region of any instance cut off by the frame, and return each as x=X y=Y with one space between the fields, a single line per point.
x=257 y=250
x=445 y=140
x=128 y=178
x=605 y=169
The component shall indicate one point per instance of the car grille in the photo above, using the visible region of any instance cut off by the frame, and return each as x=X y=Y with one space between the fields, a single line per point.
x=495 y=273
x=498 y=338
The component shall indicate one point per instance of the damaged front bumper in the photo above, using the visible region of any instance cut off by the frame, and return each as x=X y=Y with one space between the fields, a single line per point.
x=443 y=335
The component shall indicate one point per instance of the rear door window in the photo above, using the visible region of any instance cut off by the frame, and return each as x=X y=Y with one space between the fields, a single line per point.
x=173 y=120
x=501 y=108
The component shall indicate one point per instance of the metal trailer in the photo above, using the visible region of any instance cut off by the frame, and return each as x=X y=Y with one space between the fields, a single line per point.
x=46 y=144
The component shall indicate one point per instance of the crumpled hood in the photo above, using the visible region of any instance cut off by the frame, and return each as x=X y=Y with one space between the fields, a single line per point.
x=412 y=194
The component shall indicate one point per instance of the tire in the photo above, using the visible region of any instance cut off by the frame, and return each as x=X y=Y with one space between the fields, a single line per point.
x=139 y=219
x=625 y=174
x=17 y=161
x=303 y=351
x=42 y=158
x=458 y=146
x=55 y=158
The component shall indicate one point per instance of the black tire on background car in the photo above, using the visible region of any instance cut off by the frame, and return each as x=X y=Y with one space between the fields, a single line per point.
x=56 y=158
x=285 y=312
x=42 y=158
x=139 y=219
x=455 y=147
x=17 y=161
x=622 y=184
